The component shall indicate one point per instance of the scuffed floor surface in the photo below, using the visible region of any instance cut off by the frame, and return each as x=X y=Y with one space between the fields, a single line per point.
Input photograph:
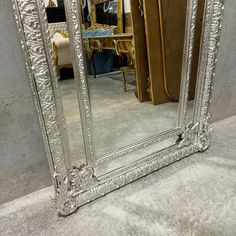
x=196 y=196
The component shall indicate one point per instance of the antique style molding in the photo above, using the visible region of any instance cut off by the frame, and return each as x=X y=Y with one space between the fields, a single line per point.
x=206 y=71
x=41 y=76
x=75 y=36
x=77 y=186
x=187 y=61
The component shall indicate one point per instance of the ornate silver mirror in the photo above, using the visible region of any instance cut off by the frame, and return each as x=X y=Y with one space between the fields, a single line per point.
x=115 y=105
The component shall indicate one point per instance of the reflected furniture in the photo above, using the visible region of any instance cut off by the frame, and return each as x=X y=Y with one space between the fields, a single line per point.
x=120 y=43
x=93 y=7
x=61 y=46
x=57 y=27
x=158 y=54
x=61 y=49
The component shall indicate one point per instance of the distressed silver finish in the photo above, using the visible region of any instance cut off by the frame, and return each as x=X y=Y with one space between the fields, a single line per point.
x=74 y=20
x=187 y=61
x=77 y=186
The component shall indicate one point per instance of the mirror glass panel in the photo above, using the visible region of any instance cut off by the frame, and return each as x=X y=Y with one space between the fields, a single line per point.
x=133 y=53
x=196 y=54
x=134 y=75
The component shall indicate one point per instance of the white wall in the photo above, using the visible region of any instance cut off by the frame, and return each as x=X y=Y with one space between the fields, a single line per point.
x=127 y=6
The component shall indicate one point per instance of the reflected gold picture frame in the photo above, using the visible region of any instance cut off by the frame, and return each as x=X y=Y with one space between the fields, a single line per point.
x=120 y=13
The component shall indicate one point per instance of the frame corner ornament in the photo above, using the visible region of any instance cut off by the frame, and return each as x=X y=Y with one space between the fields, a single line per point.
x=203 y=138
x=82 y=178
x=64 y=201
x=78 y=180
x=188 y=136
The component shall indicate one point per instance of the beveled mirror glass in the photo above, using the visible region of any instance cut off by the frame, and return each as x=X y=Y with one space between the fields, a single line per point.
x=122 y=88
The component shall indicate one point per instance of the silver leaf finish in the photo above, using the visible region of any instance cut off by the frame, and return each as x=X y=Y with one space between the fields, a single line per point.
x=82 y=179
x=75 y=187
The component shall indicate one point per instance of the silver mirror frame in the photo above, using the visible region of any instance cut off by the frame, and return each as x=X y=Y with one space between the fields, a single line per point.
x=76 y=187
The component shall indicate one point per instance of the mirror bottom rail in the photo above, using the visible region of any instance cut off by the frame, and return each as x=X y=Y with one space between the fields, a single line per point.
x=139 y=145
x=124 y=176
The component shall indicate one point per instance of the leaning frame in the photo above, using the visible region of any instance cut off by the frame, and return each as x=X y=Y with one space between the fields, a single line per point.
x=74 y=187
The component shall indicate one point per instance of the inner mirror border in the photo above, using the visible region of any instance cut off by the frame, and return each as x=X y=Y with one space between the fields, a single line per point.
x=74 y=187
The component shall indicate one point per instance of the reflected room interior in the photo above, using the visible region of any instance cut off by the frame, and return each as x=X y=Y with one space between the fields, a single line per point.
x=134 y=53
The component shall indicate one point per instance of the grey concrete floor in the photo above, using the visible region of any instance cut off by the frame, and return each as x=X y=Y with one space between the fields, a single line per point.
x=196 y=196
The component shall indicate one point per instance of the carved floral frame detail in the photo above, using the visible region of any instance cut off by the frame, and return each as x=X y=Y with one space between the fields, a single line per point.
x=75 y=187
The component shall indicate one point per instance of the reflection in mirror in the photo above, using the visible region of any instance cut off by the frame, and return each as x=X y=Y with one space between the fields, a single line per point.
x=134 y=77
x=105 y=167
x=107 y=13
x=196 y=54
x=58 y=30
x=133 y=53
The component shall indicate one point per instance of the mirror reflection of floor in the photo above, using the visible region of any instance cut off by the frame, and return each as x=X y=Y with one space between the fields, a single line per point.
x=119 y=118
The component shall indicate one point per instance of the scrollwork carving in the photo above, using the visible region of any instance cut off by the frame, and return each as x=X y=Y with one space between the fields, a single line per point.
x=203 y=140
x=212 y=30
x=82 y=178
x=80 y=72
x=77 y=180
x=64 y=201
x=99 y=45
x=141 y=7
x=188 y=136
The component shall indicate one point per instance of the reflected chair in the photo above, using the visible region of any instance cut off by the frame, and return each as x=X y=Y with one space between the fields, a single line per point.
x=61 y=47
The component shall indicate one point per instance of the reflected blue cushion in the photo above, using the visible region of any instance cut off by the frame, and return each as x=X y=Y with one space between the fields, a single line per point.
x=103 y=61
x=98 y=32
